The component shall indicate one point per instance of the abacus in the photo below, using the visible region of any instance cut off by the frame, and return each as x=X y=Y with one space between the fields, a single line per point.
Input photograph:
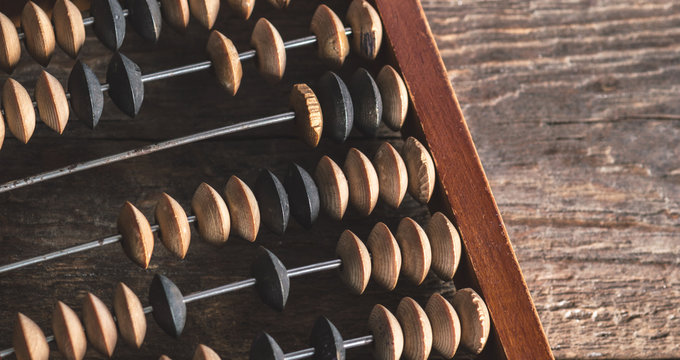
x=401 y=84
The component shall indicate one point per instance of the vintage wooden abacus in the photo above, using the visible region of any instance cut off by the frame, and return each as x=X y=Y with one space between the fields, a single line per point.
x=438 y=166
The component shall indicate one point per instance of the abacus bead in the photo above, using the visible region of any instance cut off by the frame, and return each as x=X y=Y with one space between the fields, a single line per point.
x=273 y=200
x=421 y=171
x=356 y=262
x=446 y=246
x=225 y=61
x=475 y=322
x=271 y=53
x=392 y=174
x=212 y=215
x=137 y=238
x=109 y=22
x=264 y=347
x=388 y=339
x=169 y=309
x=87 y=99
x=272 y=282
x=68 y=27
x=279 y=4
x=19 y=110
x=363 y=182
x=445 y=325
x=130 y=315
x=10 y=46
x=173 y=225
x=385 y=255
x=413 y=241
x=28 y=340
x=333 y=187
x=332 y=43
x=417 y=330
x=308 y=116
x=164 y=357
x=394 y=97
x=68 y=332
x=52 y=103
x=336 y=105
x=145 y=17
x=367 y=102
x=176 y=13
x=39 y=33
x=2 y=130
x=125 y=84
x=367 y=31
x=243 y=209
x=205 y=353
x=243 y=8
x=303 y=195
x=99 y=325
x=205 y=11
x=326 y=341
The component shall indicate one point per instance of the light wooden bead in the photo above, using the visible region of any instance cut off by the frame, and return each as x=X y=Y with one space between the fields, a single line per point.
x=225 y=61
x=52 y=103
x=68 y=332
x=475 y=322
x=385 y=255
x=10 y=46
x=130 y=315
x=173 y=224
x=164 y=357
x=421 y=171
x=39 y=33
x=356 y=262
x=446 y=246
x=280 y=4
x=416 y=250
x=243 y=209
x=271 y=53
x=137 y=236
x=212 y=215
x=445 y=325
x=176 y=13
x=367 y=30
x=392 y=174
x=19 y=110
x=28 y=340
x=333 y=187
x=394 y=96
x=417 y=330
x=205 y=11
x=2 y=130
x=333 y=46
x=68 y=26
x=99 y=325
x=364 y=186
x=388 y=339
x=243 y=8
x=308 y=116
x=205 y=353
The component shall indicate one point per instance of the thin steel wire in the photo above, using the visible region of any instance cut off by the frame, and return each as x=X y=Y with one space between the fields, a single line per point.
x=348 y=344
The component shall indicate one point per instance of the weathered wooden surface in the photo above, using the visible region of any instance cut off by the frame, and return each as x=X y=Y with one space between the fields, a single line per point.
x=573 y=107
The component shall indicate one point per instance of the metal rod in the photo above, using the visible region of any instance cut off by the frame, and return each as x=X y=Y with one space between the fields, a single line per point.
x=348 y=344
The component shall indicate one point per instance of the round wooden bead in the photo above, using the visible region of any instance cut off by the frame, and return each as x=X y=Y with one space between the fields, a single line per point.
x=2 y=130
x=392 y=174
x=145 y=17
x=417 y=329
x=164 y=357
x=475 y=322
x=303 y=195
x=243 y=209
x=205 y=11
x=273 y=201
x=385 y=255
x=39 y=33
x=367 y=31
x=173 y=225
x=421 y=171
x=99 y=325
x=413 y=241
x=279 y=4
x=52 y=103
x=205 y=353
x=225 y=61
x=265 y=348
x=68 y=27
x=10 y=46
x=130 y=315
x=336 y=105
x=388 y=339
x=363 y=182
x=271 y=53
x=445 y=325
x=308 y=116
x=28 y=340
x=109 y=22
x=137 y=238
x=356 y=262
x=19 y=110
x=212 y=215
x=367 y=102
x=169 y=309
x=125 y=84
x=176 y=13
x=243 y=8
x=333 y=46
x=446 y=246
x=87 y=99
x=68 y=332
x=394 y=97
x=272 y=282
x=333 y=187
x=326 y=340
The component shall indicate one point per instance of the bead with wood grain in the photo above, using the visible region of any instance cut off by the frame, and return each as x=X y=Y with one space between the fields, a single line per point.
x=388 y=338
x=366 y=27
x=385 y=256
x=68 y=27
x=10 y=46
x=28 y=340
x=19 y=111
x=308 y=116
x=176 y=13
x=137 y=238
x=394 y=97
x=212 y=215
x=421 y=170
x=446 y=246
x=225 y=61
x=475 y=322
x=39 y=33
x=417 y=330
x=356 y=262
x=415 y=245
x=271 y=53
x=129 y=315
x=445 y=325
x=333 y=45
x=333 y=187
x=99 y=325
x=392 y=174
x=205 y=11
x=174 y=230
x=363 y=182
x=52 y=103
x=68 y=332
x=205 y=353
x=243 y=209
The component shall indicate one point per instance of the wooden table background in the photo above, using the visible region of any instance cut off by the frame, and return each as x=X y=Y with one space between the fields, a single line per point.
x=575 y=110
